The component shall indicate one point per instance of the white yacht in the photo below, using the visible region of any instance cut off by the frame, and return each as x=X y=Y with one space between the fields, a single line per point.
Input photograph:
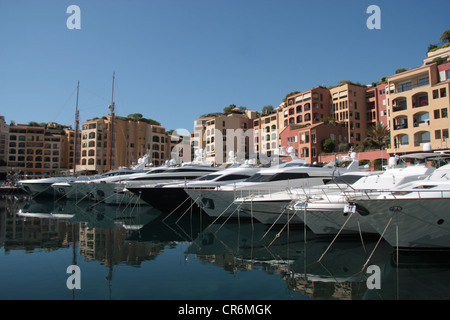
x=80 y=187
x=43 y=187
x=326 y=213
x=287 y=175
x=413 y=215
x=176 y=195
x=83 y=188
x=275 y=207
x=279 y=207
x=149 y=188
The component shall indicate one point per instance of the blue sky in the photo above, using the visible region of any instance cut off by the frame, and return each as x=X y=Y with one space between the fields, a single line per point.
x=175 y=60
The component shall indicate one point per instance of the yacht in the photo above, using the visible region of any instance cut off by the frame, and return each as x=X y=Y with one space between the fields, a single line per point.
x=296 y=173
x=148 y=188
x=413 y=215
x=43 y=187
x=79 y=188
x=176 y=195
x=326 y=214
x=62 y=186
x=280 y=207
x=83 y=187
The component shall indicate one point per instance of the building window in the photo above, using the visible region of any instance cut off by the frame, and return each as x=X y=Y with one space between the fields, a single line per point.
x=445 y=133
x=435 y=94
x=424 y=81
x=444 y=113
x=436 y=114
x=443 y=92
x=437 y=134
x=405 y=86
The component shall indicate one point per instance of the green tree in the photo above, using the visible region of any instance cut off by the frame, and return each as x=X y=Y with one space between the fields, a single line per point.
x=135 y=116
x=267 y=109
x=229 y=108
x=400 y=70
x=328 y=145
x=378 y=136
x=445 y=37
x=290 y=94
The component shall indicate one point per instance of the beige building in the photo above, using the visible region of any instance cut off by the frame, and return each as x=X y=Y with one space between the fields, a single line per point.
x=197 y=141
x=266 y=131
x=224 y=133
x=131 y=141
x=348 y=107
x=35 y=150
x=418 y=106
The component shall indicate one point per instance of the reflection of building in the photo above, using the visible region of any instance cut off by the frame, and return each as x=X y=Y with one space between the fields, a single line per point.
x=327 y=289
x=19 y=233
x=110 y=246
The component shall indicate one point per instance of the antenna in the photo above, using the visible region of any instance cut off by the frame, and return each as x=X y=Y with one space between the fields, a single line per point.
x=77 y=123
x=112 y=107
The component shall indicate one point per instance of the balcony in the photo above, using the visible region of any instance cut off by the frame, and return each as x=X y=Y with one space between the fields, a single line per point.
x=421 y=119
x=421 y=137
x=401 y=141
x=400 y=122
x=416 y=82
x=400 y=126
x=399 y=104
x=420 y=100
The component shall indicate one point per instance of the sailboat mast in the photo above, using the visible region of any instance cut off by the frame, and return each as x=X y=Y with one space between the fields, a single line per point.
x=112 y=123
x=77 y=123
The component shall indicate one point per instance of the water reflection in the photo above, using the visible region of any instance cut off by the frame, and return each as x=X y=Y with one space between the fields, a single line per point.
x=311 y=267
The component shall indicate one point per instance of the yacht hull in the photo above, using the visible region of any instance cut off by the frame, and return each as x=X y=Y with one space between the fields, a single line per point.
x=329 y=219
x=420 y=223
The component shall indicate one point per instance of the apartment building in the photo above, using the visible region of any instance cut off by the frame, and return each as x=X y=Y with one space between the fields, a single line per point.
x=307 y=107
x=348 y=107
x=376 y=105
x=266 y=130
x=70 y=150
x=308 y=140
x=223 y=133
x=34 y=150
x=197 y=135
x=130 y=141
x=4 y=133
x=418 y=106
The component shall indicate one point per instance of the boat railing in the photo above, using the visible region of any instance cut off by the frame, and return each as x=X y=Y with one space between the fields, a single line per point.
x=398 y=194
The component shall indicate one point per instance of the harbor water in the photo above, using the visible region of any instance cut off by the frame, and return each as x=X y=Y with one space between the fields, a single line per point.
x=67 y=250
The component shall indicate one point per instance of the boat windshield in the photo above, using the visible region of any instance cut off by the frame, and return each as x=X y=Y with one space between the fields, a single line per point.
x=345 y=179
x=257 y=177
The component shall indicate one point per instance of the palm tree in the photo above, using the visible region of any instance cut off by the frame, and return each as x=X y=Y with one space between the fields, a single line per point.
x=445 y=37
x=377 y=136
